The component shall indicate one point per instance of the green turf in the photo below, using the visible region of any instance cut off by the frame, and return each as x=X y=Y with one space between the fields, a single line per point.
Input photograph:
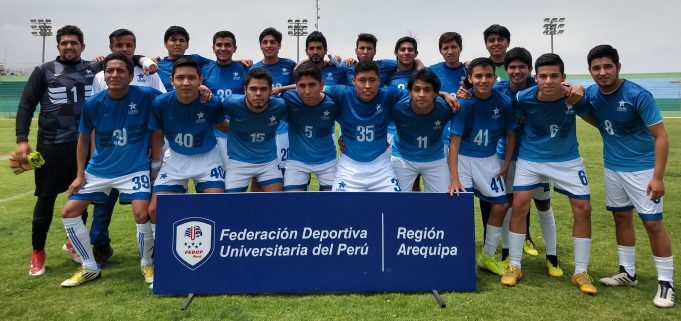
x=122 y=295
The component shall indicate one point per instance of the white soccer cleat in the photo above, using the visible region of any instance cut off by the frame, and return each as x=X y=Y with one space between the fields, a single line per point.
x=622 y=278
x=665 y=296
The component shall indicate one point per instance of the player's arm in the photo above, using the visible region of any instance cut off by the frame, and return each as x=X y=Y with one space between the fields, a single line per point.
x=656 y=186
x=82 y=149
x=279 y=90
x=156 y=148
x=454 y=185
x=452 y=101
x=463 y=92
x=29 y=100
x=573 y=92
x=510 y=150
x=246 y=62
x=418 y=64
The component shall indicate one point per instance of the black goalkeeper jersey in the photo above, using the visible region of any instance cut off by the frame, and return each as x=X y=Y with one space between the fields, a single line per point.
x=61 y=89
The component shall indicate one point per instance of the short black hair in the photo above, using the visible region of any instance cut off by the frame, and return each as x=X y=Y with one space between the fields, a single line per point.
x=258 y=73
x=603 y=51
x=307 y=68
x=269 y=31
x=408 y=39
x=448 y=37
x=121 y=33
x=425 y=75
x=186 y=61
x=70 y=30
x=119 y=56
x=497 y=29
x=482 y=61
x=366 y=37
x=315 y=36
x=549 y=59
x=174 y=31
x=364 y=66
x=518 y=53
x=224 y=34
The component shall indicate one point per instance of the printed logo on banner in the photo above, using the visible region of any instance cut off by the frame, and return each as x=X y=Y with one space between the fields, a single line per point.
x=193 y=241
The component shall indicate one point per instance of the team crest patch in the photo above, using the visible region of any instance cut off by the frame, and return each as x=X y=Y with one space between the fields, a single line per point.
x=193 y=239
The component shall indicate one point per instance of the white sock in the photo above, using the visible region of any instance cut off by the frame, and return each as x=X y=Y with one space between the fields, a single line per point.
x=145 y=243
x=153 y=230
x=491 y=240
x=627 y=256
x=515 y=249
x=80 y=238
x=665 y=268
x=547 y=222
x=504 y=229
x=582 y=250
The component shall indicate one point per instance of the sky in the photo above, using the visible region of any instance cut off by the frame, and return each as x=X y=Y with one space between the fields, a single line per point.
x=644 y=32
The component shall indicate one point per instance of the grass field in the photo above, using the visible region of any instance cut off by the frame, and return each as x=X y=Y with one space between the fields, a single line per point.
x=122 y=295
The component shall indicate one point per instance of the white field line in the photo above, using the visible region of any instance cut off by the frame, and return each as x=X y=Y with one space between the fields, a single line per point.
x=15 y=197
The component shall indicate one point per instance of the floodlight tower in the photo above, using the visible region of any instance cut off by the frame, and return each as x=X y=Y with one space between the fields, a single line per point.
x=42 y=28
x=297 y=28
x=553 y=27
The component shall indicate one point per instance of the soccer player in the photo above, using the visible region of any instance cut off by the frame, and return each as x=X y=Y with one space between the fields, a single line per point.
x=420 y=120
x=635 y=150
x=311 y=116
x=252 y=148
x=406 y=50
x=315 y=48
x=176 y=41
x=475 y=131
x=497 y=39
x=119 y=117
x=365 y=50
x=187 y=124
x=548 y=150
x=60 y=86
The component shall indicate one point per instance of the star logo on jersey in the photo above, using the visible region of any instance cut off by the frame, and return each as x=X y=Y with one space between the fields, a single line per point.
x=88 y=73
x=164 y=175
x=437 y=124
x=622 y=106
x=569 y=110
x=341 y=186
x=379 y=109
x=329 y=75
x=199 y=118
x=325 y=114
x=496 y=113
x=236 y=76
x=140 y=77
x=273 y=121
x=284 y=71
x=132 y=109
x=57 y=75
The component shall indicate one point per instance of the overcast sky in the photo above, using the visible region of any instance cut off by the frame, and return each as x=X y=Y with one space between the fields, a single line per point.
x=645 y=32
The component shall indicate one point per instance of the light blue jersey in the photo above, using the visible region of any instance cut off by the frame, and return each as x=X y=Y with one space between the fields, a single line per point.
x=224 y=80
x=282 y=75
x=311 y=128
x=386 y=67
x=482 y=122
x=504 y=87
x=399 y=80
x=121 y=134
x=333 y=75
x=165 y=68
x=418 y=136
x=550 y=134
x=252 y=135
x=188 y=128
x=623 y=117
x=450 y=81
x=364 y=125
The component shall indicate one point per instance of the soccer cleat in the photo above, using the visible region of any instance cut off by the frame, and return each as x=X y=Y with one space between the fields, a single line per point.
x=490 y=263
x=530 y=248
x=102 y=254
x=37 y=263
x=622 y=278
x=665 y=296
x=81 y=276
x=511 y=276
x=552 y=266
x=585 y=283
x=148 y=273
x=68 y=249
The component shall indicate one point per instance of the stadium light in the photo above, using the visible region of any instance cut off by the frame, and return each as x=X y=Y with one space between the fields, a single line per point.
x=553 y=27
x=316 y=24
x=297 y=28
x=42 y=28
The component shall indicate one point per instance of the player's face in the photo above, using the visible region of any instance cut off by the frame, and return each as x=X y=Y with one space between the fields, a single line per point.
x=270 y=47
x=224 y=48
x=186 y=81
x=315 y=51
x=496 y=45
x=258 y=93
x=422 y=95
x=177 y=45
x=310 y=90
x=518 y=72
x=125 y=45
x=70 y=48
x=482 y=78
x=406 y=53
x=549 y=79
x=365 y=51
x=366 y=85
x=116 y=75
x=451 y=52
x=604 y=72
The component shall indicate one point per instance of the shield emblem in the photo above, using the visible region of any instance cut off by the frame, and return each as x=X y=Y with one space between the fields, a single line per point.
x=193 y=241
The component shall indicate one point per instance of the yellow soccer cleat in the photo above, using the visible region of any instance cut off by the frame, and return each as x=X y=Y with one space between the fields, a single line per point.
x=490 y=263
x=148 y=273
x=81 y=276
x=554 y=270
x=585 y=283
x=529 y=248
x=512 y=276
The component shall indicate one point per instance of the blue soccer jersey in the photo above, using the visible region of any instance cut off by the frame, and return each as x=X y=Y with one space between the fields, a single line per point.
x=364 y=126
x=122 y=135
x=311 y=128
x=482 y=122
x=418 y=136
x=334 y=75
x=504 y=87
x=165 y=68
x=386 y=67
x=450 y=81
x=282 y=75
x=252 y=136
x=400 y=79
x=188 y=128
x=224 y=80
x=623 y=117
x=550 y=133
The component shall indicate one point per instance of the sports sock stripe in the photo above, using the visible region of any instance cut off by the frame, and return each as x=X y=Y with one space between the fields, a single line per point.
x=76 y=244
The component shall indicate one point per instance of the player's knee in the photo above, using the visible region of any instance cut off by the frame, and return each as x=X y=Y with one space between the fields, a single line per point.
x=654 y=227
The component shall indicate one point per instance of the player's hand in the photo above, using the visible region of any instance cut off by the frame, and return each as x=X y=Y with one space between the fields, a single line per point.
x=418 y=64
x=574 y=93
x=655 y=189
x=277 y=90
x=22 y=150
x=350 y=61
x=76 y=184
x=246 y=62
x=455 y=187
x=156 y=59
x=453 y=103
x=341 y=144
x=503 y=172
x=99 y=58
x=152 y=69
x=204 y=94
x=463 y=92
